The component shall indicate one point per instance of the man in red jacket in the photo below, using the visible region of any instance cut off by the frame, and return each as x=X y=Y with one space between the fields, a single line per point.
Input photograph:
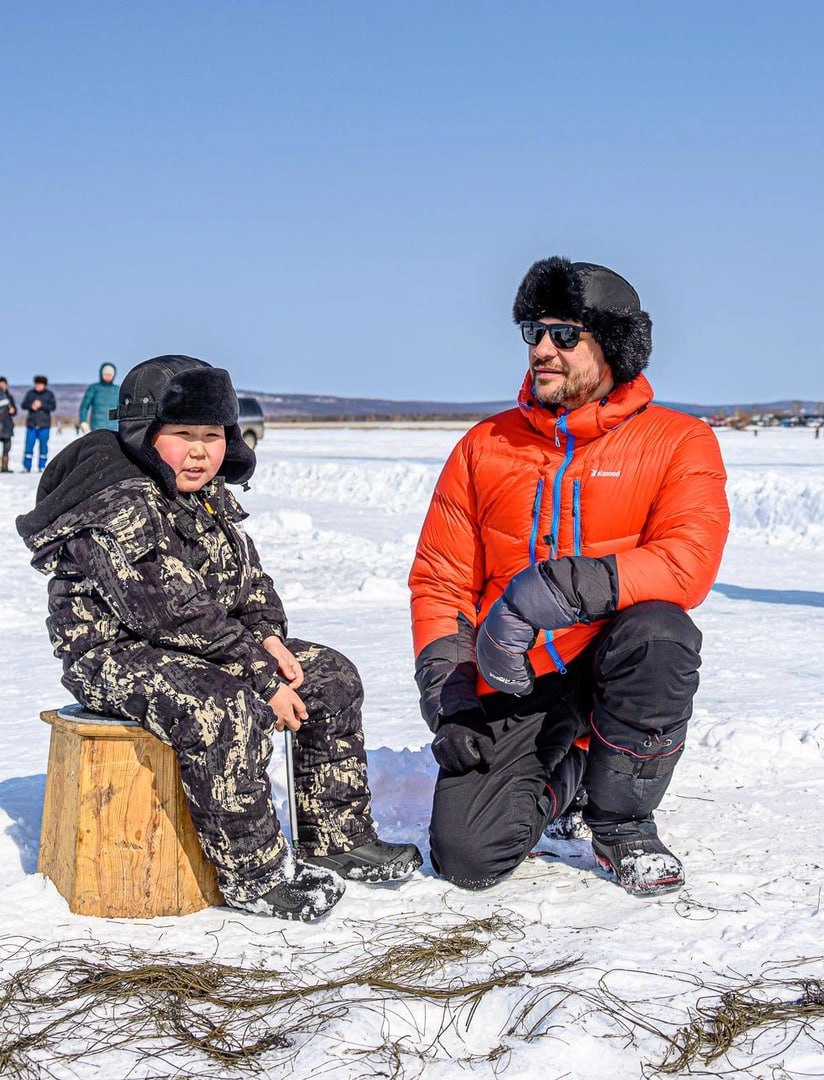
x=565 y=541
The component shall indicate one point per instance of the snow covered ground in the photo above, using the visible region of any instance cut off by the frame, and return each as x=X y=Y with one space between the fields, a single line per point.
x=335 y=514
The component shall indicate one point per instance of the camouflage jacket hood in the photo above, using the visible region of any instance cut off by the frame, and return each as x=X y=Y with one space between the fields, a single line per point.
x=79 y=472
x=93 y=484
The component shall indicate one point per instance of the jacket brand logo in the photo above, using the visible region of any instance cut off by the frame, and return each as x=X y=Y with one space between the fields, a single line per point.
x=605 y=472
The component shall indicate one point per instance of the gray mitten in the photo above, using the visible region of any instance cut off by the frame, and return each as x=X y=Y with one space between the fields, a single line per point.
x=531 y=602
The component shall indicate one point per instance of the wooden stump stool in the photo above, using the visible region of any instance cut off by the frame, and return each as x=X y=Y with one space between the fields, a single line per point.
x=117 y=839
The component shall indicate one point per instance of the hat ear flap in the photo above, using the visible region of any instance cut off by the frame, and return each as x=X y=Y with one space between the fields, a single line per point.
x=625 y=337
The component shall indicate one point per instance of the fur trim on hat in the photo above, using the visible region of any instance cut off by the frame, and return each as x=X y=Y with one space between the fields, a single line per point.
x=599 y=298
x=198 y=396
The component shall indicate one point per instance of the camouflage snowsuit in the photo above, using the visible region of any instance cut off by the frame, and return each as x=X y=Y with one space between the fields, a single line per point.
x=157 y=609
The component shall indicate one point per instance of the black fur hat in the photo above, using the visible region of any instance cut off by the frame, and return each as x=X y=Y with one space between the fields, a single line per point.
x=179 y=390
x=597 y=297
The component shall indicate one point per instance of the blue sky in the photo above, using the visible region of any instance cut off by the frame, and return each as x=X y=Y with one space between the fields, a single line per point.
x=342 y=197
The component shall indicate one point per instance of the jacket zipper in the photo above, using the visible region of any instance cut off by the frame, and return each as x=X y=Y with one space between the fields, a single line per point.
x=556 y=487
x=536 y=513
x=576 y=517
x=560 y=426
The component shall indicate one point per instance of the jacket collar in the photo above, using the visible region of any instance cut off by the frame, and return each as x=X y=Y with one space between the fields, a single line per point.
x=199 y=512
x=590 y=421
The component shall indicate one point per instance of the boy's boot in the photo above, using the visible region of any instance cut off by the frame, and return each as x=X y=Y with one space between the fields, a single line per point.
x=371 y=862
x=4 y=463
x=632 y=854
x=306 y=893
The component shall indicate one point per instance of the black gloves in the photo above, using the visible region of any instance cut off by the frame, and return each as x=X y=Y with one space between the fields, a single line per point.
x=463 y=742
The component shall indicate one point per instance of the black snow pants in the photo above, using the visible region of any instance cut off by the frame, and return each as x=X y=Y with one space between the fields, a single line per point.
x=631 y=692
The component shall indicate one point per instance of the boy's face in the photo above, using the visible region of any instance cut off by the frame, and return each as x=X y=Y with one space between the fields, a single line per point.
x=194 y=452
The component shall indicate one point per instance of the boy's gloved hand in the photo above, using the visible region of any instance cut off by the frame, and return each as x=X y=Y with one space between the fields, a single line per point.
x=531 y=601
x=463 y=742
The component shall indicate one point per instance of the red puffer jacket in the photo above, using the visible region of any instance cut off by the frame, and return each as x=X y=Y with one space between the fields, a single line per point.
x=616 y=477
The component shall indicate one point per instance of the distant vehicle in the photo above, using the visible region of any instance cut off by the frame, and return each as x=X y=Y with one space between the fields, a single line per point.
x=250 y=420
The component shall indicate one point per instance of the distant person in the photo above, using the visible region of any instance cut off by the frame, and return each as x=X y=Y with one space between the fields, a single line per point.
x=98 y=400
x=39 y=403
x=565 y=541
x=7 y=412
x=162 y=614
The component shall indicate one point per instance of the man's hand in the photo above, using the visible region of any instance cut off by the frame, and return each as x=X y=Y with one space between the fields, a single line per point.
x=531 y=602
x=463 y=742
x=288 y=708
x=288 y=666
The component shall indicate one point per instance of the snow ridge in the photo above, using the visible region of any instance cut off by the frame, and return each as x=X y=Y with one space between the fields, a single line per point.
x=773 y=506
x=777 y=506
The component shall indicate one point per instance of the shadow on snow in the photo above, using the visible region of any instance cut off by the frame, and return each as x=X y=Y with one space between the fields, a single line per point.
x=771 y=596
x=22 y=799
x=402 y=782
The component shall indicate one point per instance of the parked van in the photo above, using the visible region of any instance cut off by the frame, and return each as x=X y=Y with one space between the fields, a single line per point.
x=250 y=420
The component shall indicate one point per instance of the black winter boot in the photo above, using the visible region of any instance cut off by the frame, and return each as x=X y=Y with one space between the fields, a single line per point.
x=633 y=855
x=372 y=862
x=564 y=785
x=307 y=895
x=570 y=825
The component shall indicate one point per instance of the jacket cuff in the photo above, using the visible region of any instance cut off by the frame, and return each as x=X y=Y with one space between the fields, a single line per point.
x=271 y=687
x=263 y=630
x=446 y=674
x=589 y=586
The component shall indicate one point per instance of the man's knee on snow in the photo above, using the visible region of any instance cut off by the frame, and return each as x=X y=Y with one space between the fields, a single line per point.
x=462 y=864
x=474 y=851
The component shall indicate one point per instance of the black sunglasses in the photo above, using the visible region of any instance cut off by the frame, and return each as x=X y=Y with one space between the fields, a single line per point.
x=562 y=335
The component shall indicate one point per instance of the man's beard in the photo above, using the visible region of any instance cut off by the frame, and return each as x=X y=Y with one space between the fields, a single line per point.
x=572 y=392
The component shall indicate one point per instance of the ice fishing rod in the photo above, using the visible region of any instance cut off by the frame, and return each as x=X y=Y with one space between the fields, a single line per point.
x=290 y=787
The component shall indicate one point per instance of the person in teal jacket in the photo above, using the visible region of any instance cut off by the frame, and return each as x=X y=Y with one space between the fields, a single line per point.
x=98 y=399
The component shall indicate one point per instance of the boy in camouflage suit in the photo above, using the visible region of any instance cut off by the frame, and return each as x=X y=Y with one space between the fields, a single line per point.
x=162 y=614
